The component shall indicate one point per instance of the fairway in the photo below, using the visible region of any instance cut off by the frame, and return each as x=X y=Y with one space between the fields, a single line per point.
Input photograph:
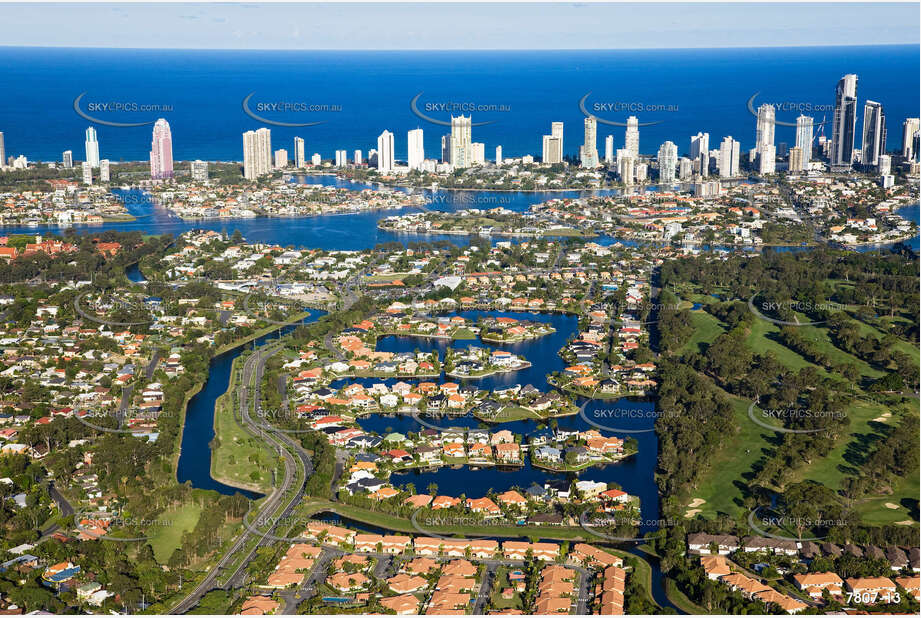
x=706 y=329
x=731 y=469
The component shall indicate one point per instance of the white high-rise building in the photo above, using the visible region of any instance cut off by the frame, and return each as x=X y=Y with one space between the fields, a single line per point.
x=728 y=162
x=556 y=130
x=588 y=155
x=804 y=138
x=626 y=166
x=342 y=158
x=257 y=153
x=104 y=172
x=299 y=157
x=477 y=153
x=461 y=141
x=884 y=164
x=357 y=157
x=609 y=149
x=199 y=170
x=767 y=159
x=632 y=137
x=764 y=130
x=316 y=160
x=87 y=173
x=874 y=133
x=385 y=152
x=640 y=171
x=668 y=160
x=845 y=122
x=92 y=148
x=281 y=159
x=551 y=151
x=498 y=155
x=910 y=129
x=68 y=159
x=2 y=151
x=685 y=168
x=700 y=153
x=415 y=149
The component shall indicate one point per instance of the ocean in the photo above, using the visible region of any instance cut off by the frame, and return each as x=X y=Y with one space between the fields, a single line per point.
x=356 y=95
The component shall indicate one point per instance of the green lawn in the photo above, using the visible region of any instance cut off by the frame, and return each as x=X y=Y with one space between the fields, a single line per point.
x=464 y=333
x=905 y=347
x=166 y=538
x=706 y=329
x=761 y=340
x=720 y=485
x=819 y=336
x=239 y=454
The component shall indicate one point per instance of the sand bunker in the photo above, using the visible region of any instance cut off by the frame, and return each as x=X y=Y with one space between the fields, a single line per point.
x=696 y=502
x=889 y=505
x=691 y=513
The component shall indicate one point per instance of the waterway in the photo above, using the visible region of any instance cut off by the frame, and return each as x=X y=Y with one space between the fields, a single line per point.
x=634 y=418
x=195 y=455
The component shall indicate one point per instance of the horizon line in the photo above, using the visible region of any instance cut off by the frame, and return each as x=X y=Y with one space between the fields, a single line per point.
x=464 y=49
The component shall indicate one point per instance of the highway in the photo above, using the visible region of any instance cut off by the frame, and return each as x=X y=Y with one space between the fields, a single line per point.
x=252 y=371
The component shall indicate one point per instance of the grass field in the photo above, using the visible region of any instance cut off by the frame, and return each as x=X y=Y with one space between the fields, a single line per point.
x=706 y=329
x=165 y=539
x=819 y=336
x=722 y=485
x=762 y=338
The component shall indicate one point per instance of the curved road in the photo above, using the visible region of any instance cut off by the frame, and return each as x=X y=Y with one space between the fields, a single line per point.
x=252 y=370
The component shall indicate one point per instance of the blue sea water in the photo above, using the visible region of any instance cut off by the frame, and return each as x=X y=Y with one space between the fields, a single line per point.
x=683 y=91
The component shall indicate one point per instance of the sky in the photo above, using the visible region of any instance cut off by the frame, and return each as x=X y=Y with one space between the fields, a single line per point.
x=405 y=26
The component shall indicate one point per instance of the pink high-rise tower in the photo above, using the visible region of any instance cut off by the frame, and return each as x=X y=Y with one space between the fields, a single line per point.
x=161 y=151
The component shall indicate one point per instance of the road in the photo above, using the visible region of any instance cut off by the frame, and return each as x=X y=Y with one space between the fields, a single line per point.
x=252 y=368
x=486 y=584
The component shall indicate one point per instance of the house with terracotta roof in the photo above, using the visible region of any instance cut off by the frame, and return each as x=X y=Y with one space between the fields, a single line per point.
x=591 y=556
x=875 y=589
x=404 y=583
x=259 y=606
x=347 y=582
x=512 y=498
x=483 y=505
x=912 y=585
x=715 y=566
x=814 y=583
x=402 y=605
